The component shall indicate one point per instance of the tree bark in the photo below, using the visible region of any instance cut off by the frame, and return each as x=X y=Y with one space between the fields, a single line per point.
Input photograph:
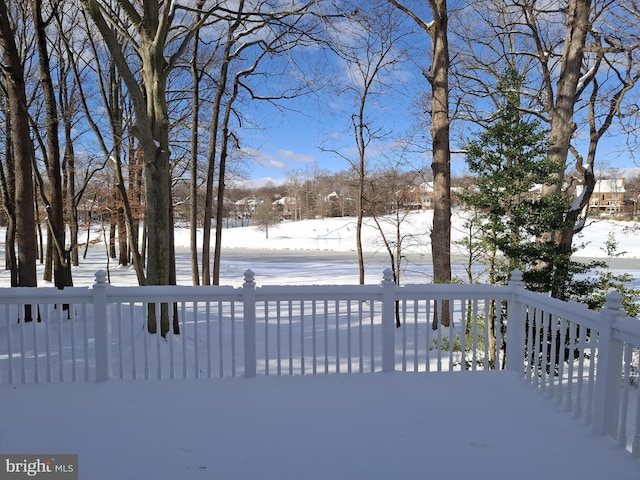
x=562 y=123
x=441 y=166
x=438 y=77
x=563 y=128
x=7 y=190
x=359 y=127
x=23 y=156
x=193 y=182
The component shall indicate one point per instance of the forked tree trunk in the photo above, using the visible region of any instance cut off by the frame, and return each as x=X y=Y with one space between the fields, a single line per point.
x=563 y=125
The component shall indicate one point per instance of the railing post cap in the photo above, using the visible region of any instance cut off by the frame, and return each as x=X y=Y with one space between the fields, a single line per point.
x=249 y=276
x=613 y=301
x=101 y=277
x=387 y=275
x=516 y=276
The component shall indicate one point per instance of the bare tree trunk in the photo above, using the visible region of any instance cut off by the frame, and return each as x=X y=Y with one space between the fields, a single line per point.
x=359 y=221
x=69 y=188
x=438 y=77
x=54 y=202
x=193 y=183
x=563 y=125
x=123 y=245
x=7 y=190
x=213 y=153
x=138 y=262
x=112 y=227
x=23 y=156
x=224 y=149
x=137 y=245
x=441 y=166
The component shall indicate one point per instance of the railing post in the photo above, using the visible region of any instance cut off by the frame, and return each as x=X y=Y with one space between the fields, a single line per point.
x=102 y=325
x=249 y=302
x=515 y=326
x=388 y=321
x=609 y=369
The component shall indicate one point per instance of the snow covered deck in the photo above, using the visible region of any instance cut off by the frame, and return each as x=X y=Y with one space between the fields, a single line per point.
x=359 y=426
x=316 y=381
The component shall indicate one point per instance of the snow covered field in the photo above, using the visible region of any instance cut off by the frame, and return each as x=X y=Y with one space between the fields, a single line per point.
x=338 y=234
x=322 y=251
x=373 y=426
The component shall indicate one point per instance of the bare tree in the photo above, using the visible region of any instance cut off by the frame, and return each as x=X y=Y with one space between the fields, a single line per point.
x=368 y=43
x=613 y=51
x=23 y=154
x=149 y=28
x=119 y=153
x=388 y=199
x=53 y=198
x=265 y=217
x=67 y=91
x=196 y=75
x=256 y=33
x=438 y=77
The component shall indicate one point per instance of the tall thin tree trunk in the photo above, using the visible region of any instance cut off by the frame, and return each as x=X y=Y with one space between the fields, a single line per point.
x=224 y=146
x=224 y=149
x=438 y=77
x=69 y=190
x=54 y=201
x=359 y=221
x=193 y=183
x=213 y=153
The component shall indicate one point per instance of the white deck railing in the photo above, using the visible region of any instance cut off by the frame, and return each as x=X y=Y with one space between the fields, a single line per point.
x=586 y=361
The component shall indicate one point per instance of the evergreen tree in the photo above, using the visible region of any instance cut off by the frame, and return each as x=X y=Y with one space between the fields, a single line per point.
x=510 y=162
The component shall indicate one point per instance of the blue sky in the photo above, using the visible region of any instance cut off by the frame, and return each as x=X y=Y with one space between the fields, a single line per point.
x=299 y=134
x=293 y=137
x=292 y=140
x=294 y=143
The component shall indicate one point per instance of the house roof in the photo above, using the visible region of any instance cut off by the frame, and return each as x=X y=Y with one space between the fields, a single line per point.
x=285 y=201
x=610 y=185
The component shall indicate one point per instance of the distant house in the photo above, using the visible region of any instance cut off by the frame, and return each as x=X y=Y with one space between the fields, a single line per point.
x=416 y=197
x=246 y=207
x=332 y=197
x=286 y=207
x=607 y=197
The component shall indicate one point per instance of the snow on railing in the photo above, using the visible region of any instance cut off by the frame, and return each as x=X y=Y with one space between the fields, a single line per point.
x=585 y=360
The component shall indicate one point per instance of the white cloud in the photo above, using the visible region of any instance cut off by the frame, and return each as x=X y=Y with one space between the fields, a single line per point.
x=296 y=157
x=264 y=159
x=259 y=182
